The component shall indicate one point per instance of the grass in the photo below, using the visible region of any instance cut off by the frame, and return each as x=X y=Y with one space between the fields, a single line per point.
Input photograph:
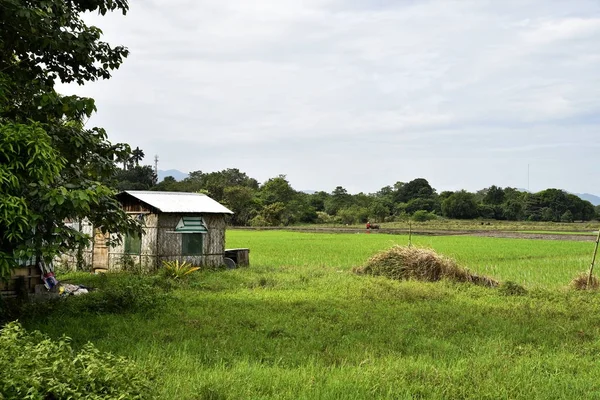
x=585 y=233
x=298 y=324
x=534 y=263
x=443 y=224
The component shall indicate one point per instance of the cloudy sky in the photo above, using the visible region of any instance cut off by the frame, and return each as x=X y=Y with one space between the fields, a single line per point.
x=361 y=93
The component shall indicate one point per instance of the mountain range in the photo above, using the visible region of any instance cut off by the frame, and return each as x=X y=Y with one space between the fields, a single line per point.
x=178 y=175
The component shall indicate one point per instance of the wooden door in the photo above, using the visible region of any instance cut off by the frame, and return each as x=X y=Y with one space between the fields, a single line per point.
x=100 y=255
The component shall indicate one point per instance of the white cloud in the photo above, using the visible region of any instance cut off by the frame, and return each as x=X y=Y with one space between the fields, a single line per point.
x=414 y=82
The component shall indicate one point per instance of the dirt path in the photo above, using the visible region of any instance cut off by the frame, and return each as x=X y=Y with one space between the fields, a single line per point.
x=391 y=231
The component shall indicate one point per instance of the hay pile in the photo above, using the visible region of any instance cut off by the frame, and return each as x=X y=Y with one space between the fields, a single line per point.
x=581 y=282
x=411 y=263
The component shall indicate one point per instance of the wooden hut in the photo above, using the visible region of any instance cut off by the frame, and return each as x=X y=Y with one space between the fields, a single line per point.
x=177 y=226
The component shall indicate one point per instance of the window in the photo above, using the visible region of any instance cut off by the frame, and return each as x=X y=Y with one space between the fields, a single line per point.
x=191 y=244
x=133 y=244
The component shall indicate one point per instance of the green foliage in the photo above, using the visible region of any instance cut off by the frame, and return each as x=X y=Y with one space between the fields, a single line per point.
x=339 y=199
x=353 y=215
x=277 y=190
x=117 y=294
x=510 y=288
x=378 y=211
x=416 y=189
x=324 y=218
x=567 y=216
x=52 y=169
x=270 y=215
x=242 y=201
x=135 y=178
x=37 y=367
x=460 y=205
x=494 y=195
x=423 y=216
x=177 y=270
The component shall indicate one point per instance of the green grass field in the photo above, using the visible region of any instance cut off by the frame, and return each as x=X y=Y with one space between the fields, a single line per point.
x=298 y=324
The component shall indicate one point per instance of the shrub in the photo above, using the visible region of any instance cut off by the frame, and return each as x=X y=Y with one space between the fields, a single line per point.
x=177 y=270
x=123 y=293
x=37 y=367
x=510 y=288
x=324 y=218
x=423 y=216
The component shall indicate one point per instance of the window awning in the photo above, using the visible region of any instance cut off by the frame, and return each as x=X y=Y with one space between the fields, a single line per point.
x=191 y=225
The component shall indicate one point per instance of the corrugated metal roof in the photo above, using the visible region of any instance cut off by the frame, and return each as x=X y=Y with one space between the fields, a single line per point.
x=180 y=202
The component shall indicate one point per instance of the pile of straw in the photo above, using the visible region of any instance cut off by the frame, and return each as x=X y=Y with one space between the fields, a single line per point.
x=581 y=282
x=412 y=263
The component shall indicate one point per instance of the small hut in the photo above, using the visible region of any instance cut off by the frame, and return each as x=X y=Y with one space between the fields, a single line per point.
x=177 y=226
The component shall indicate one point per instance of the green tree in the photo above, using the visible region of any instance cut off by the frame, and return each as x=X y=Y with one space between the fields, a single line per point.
x=417 y=188
x=169 y=184
x=567 y=216
x=135 y=178
x=460 y=205
x=51 y=168
x=417 y=204
x=270 y=215
x=378 y=211
x=340 y=198
x=137 y=155
x=317 y=200
x=277 y=190
x=242 y=201
x=494 y=195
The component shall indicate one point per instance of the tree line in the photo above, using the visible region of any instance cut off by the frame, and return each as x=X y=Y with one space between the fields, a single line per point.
x=275 y=202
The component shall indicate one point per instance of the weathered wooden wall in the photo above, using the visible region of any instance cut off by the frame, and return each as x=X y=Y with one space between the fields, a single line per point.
x=213 y=242
x=146 y=260
x=68 y=261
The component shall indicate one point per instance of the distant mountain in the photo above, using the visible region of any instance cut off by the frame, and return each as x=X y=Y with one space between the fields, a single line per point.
x=178 y=175
x=595 y=200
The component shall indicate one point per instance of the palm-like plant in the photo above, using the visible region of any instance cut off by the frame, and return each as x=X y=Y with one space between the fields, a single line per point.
x=178 y=270
x=137 y=155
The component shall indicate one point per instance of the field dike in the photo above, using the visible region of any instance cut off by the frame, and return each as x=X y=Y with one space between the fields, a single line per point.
x=413 y=263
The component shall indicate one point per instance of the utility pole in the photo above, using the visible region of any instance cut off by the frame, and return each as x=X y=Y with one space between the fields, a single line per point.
x=528 y=177
x=156 y=169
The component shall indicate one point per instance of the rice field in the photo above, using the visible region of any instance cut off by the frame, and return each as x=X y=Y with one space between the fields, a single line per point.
x=533 y=263
x=298 y=324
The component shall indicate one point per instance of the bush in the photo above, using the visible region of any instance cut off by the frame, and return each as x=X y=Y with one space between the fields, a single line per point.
x=177 y=270
x=423 y=216
x=510 y=288
x=324 y=218
x=37 y=367
x=123 y=293
x=115 y=294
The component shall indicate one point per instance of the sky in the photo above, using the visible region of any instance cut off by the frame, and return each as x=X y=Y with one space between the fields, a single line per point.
x=361 y=93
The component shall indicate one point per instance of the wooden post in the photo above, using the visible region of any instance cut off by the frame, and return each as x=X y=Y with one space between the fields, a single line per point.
x=589 y=281
x=409 y=233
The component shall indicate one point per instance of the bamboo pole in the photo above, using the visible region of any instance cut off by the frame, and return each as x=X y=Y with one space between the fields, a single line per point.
x=589 y=281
